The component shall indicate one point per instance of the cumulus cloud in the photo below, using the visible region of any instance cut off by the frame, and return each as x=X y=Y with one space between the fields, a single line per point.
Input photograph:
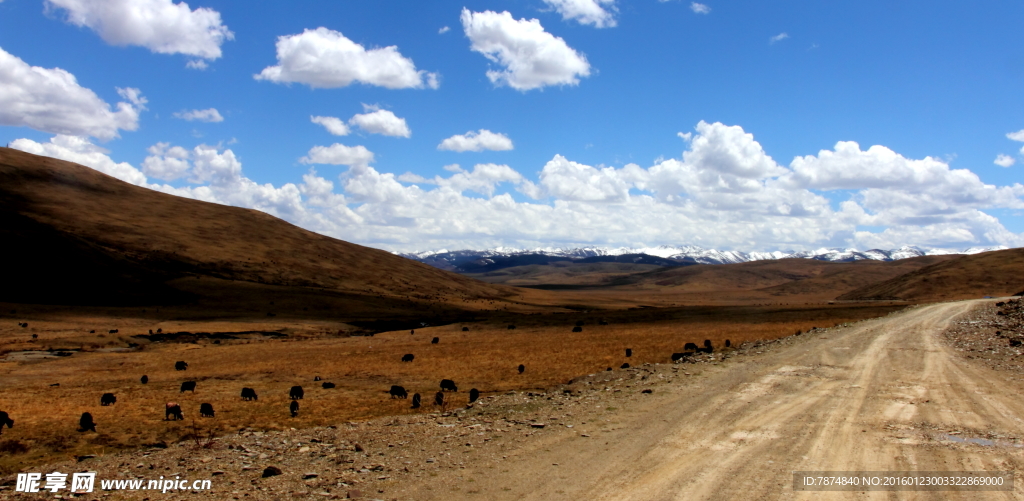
x=1016 y=136
x=685 y=136
x=700 y=8
x=477 y=141
x=724 y=191
x=158 y=25
x=599 y=13
x=207 y=115
x=443 y=30
x=338 y=154
x=334 y=125
x=531 y=57
x=778 y=38
x=79 y=150
x=1004 y=160
x=377 y=121
x=324 y=58
x=50 y=100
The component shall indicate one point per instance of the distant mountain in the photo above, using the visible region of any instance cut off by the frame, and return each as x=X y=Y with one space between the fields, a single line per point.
x=480 y=261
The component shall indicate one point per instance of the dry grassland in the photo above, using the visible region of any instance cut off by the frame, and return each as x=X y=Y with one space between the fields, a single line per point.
x=363 y=368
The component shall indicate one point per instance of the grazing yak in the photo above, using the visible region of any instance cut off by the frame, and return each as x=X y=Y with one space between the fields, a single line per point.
x=206 y=409
x=112 y=331
x=679 y=356
x=173 y=410
x=144 y=379
x=707 y=343
x=188 y=386
x=416 y=401
x=511 y=327
x=180 y=365
x=316 y=378
x=85 y=423
x=474 y=394
x=435 y=340
x=327 y=386
x=5 y=420
x=728 y=343
x=408 y=357
x=577 y=329
x=690 y=347
x=521 y=368
x=108 y=399
x=629 y=352
x=448 y=385
x=249 y=394
x=294 y=408
x=296 y=393
x=465 y=329
x=439 y=398
x=398 y=392
x=624 y=366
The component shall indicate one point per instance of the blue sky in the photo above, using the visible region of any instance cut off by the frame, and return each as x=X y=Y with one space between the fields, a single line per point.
x=605 y=123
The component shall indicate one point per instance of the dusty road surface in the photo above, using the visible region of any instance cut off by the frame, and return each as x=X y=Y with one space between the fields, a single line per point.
x=881 y=395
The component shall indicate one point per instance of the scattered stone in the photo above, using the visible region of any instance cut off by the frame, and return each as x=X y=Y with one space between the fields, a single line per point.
x=307 y=476
x=271 y=471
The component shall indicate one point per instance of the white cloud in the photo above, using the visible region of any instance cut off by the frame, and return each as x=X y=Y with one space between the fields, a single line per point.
x=79 y=150
x=685 y=136
x=700 y=8
x=207 y=115
x=600 y=13
x=724 y=191
x=477 y=141
x=778 y=38
x=443 y=30
x=1004 y=160
x=324 y=58
x=1016 y=136
x=197 y=64
x=158 y=25
x=165 y=162
x=333 y=125
x=531 y=57
x=338 y=154
x=381 y=122
x=50 y=100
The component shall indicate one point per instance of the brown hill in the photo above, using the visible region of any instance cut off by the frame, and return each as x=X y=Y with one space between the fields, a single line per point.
x=996 y=273
x=780 y=277
x=78 y=236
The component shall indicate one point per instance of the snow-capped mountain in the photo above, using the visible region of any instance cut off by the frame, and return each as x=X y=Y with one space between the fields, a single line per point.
x=663 y=255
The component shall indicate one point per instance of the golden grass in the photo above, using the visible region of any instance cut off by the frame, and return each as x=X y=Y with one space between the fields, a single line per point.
x=363 y=368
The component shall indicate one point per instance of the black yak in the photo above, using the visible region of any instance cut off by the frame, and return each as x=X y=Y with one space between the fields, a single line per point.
x=180 y=365
x=294 y=408
x=85 y=423
x=448 y=385
x=521 y=368
x=408 y=357
x=416 y=401
x=206 y=409
x=473 y=395
x=465 y=329
x=577 y=329
x=439 y=398
x=144 y=379
x=108 y=399
x=188 y=386
x=398 y=392
x=327 y=386
x=624 y=366
x=511 y=327
x=249 y=394
x=296 y=393
x=690 y=347
x=5 y=420
x=629 y=352
x=435 y=340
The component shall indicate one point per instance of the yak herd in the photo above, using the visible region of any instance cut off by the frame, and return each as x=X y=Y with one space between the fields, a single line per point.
x=173 y=412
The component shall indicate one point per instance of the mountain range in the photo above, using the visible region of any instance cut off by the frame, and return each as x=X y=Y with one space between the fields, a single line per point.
x=478 y=261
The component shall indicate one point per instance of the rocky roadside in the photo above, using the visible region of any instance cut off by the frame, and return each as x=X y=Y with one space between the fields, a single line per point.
x=992 y=334
x=366 y=460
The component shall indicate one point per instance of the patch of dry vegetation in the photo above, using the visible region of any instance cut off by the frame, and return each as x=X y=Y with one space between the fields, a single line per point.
x=362 y=367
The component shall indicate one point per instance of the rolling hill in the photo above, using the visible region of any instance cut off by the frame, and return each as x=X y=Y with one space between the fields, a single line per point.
x=996 y=273
x=78 y=236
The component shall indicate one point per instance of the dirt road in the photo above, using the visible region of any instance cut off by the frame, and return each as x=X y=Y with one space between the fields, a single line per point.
x=882 y=395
